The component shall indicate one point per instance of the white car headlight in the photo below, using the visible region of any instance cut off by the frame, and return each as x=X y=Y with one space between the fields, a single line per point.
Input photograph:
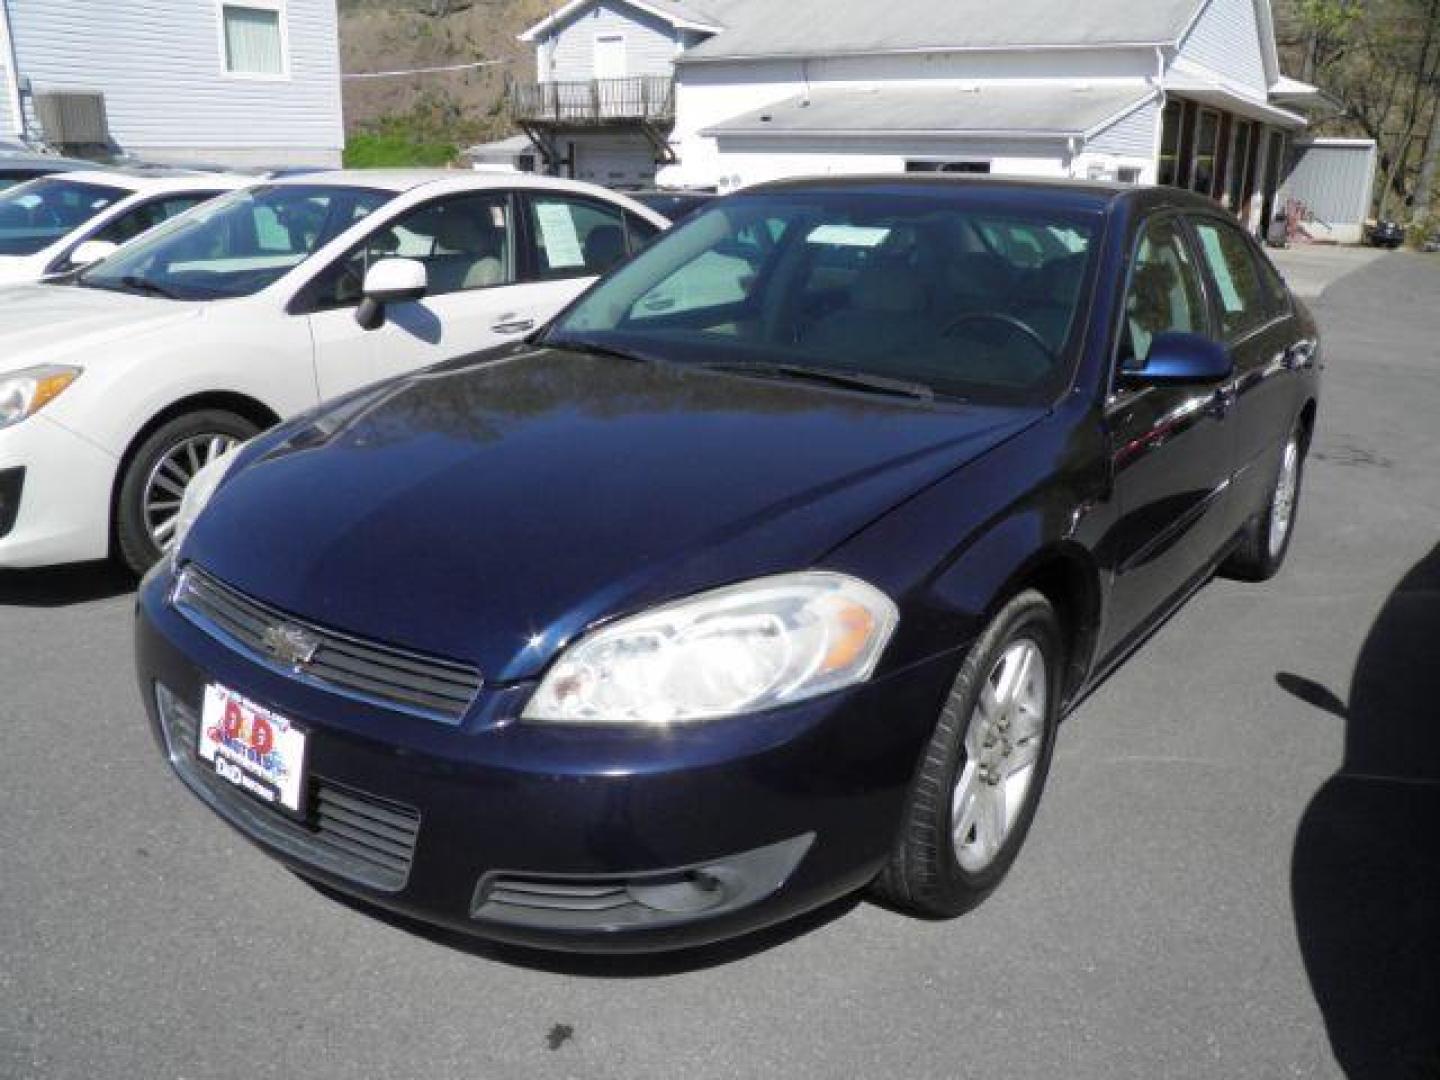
x=24 y=393
x=198 y=493
x=740 y=649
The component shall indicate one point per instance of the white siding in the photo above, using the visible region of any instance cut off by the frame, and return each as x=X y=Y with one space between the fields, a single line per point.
x=159 y=64
x=1336 y=182
x=650 y=43
x=1132 y=135
x=710 y=93
x=1226 y=40
x=8 y=128
x=743 y=161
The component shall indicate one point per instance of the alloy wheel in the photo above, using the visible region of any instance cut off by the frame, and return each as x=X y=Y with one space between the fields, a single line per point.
x=1282 y=506
x=165 y=486
x=1003 y=742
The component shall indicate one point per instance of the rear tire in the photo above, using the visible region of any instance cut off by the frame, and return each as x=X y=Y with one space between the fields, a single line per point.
x=1266 y=539
x=973 y=799
x=156 y=475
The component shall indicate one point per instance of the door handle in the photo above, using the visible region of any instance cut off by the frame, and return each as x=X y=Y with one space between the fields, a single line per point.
x=1299 y=355
x=510 y=325
x=1221 y=402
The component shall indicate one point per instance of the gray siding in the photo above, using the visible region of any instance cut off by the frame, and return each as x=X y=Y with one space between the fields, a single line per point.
x=159 y=64
x=1132 y=135
x=1334 y=182
x=1226 y=39
x=649 y=42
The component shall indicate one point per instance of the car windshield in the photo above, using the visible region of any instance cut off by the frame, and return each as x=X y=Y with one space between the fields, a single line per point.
x=966 y=295
x=235 y=245
x=36 y=214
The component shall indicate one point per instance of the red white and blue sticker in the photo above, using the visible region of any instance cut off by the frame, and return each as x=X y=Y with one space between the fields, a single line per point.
x=259 y=751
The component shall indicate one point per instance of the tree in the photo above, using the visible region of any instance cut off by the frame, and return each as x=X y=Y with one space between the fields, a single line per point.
x=1380 y=59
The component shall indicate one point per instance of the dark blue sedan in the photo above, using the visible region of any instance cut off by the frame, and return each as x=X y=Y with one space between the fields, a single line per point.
x=762 y=575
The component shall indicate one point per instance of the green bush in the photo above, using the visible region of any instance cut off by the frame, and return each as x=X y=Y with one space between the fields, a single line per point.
x=373 y=150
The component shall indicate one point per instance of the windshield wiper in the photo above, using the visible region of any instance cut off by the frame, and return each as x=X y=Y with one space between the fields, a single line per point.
x=591 y=348
x=849 y=380
x=144 y=285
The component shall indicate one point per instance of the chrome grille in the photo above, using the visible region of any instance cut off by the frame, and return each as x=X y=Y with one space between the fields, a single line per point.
x=380 y=674
x=350 y=833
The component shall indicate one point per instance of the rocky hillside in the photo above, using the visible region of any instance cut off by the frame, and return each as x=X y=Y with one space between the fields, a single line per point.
x=385 y=35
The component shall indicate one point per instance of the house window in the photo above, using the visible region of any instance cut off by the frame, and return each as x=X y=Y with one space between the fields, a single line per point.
x=253 y=38
x=1207 y=137
x=1240 y=165
x=1170 y=144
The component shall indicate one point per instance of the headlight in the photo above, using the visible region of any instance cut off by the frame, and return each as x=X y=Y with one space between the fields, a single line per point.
x=198 y=493
x=24 y=393
x=768 y=642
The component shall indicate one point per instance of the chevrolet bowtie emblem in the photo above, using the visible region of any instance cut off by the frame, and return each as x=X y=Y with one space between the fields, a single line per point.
x=290 y=644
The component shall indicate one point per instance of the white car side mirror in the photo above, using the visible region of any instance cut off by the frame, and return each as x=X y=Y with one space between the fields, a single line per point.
x=89 y=253
x=390 y=281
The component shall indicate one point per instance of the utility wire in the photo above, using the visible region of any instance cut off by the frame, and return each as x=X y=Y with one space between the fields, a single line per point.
x=422 y=71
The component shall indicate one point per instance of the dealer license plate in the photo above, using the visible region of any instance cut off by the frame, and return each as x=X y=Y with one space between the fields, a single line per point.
x=259 y=751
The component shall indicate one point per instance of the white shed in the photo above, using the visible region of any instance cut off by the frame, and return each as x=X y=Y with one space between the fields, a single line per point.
x=1333 y=181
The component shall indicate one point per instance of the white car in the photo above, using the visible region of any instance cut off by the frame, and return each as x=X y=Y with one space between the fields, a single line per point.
x=58 y=223
x=118 y=383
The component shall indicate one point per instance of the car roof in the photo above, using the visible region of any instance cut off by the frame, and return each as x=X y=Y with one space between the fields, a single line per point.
x=25 y=159
x=404 y=180
x=1095 y=194
x=148 y=182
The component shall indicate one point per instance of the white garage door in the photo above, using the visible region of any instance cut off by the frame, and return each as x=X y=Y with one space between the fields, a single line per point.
x=615 y=166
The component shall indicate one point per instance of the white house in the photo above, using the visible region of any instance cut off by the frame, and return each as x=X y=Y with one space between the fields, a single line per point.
x=726 y=93
x=238 y=82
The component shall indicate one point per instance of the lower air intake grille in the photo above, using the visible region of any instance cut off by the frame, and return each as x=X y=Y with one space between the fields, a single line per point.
x=350 y=833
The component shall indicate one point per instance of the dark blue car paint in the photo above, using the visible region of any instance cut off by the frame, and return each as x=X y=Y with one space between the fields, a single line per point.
x=496 y=507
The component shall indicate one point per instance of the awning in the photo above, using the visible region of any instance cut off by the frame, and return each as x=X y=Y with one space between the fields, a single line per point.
x=990 y=111
x=1196 y=87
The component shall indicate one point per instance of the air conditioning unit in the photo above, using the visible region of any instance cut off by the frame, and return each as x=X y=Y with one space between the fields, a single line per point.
x=72 y=117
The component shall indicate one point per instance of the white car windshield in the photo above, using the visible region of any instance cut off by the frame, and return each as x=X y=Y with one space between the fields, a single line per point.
x=236 y=245
x=35 y=215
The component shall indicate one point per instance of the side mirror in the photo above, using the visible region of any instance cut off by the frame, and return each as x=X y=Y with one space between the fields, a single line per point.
x=1180 y=359
x=89 y=253
x=390 y=281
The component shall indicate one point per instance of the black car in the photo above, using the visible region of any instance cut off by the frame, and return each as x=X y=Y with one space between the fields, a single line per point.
x=674 y=204
x=1386 y=234
x=763 y=574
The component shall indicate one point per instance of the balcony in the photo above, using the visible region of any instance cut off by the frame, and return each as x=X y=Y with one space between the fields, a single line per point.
x=647 y=99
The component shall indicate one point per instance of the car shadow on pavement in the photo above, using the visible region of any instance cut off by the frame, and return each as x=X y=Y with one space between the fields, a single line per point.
x=605 y=965
x=1365 y=875
x=61 y=586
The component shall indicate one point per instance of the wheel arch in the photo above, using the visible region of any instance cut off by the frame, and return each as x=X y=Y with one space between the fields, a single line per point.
x=1067 y=575
x=1308 y=413
x=252 y=409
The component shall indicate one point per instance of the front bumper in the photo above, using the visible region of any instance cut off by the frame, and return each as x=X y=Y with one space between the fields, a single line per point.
x=63 y=512
x=563 y=837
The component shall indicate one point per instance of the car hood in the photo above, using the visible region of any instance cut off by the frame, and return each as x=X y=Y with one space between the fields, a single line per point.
x=491 y=509
x=44 y=323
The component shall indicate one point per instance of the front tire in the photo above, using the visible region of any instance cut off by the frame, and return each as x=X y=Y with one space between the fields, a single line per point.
x=973 y=799
x=156 y=475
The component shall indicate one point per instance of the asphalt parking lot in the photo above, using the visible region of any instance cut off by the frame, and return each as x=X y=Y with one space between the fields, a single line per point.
x=1235 y=871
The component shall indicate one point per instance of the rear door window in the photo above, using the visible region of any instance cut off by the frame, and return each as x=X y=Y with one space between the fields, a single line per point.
x=1243 y=301
x=573 y=237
